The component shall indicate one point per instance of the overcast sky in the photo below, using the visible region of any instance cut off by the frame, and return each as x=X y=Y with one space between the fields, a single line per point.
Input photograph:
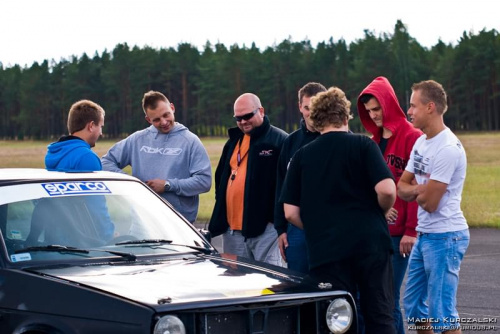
x=35 y=30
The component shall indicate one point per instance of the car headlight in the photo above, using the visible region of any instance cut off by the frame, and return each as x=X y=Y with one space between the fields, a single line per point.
x=339 y=316
x=169 y=324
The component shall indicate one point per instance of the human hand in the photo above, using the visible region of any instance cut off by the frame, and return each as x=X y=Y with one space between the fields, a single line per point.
x=231 y=258
x=283 y=244
x=157 y=185
x=420 y=188
x=391 y=216
x=406 y=245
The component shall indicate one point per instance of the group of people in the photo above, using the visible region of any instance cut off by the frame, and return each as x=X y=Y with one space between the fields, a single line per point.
x=344 y=208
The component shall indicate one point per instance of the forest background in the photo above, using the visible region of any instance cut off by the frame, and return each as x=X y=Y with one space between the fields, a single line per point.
x=203 y=84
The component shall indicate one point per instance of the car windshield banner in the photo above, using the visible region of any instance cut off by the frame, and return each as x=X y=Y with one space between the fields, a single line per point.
x=75 y=188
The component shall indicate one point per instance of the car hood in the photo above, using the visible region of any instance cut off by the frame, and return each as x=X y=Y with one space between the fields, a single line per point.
x=182 y=280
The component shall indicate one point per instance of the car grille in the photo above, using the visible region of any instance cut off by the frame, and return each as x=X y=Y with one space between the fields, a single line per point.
x=290 y=317
x=281 y=320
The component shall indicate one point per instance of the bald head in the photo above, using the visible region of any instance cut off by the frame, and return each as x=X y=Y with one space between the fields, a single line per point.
x=248 y=112
x=248 y=99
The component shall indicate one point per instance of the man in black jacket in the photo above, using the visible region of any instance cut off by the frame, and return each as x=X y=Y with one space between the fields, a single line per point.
x=245 y=181
x=291 y=240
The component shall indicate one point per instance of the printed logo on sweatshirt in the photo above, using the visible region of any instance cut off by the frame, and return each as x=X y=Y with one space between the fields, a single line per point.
x=161 y=150
x=266 y=153
x=73 y=188
x=398 y=163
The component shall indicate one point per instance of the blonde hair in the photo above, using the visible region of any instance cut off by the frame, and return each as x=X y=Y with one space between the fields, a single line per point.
x=432 y=91
x=330 y=108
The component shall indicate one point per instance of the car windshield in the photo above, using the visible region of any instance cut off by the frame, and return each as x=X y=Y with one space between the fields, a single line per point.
x=53 y=221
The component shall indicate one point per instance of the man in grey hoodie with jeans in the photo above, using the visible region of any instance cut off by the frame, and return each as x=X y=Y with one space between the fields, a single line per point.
x=167 y=156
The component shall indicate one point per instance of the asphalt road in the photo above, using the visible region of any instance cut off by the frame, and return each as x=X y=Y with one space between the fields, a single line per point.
x=478 y=296
x=479 y=288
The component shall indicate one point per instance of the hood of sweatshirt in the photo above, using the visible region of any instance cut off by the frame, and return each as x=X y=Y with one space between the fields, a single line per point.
x=176 y=130
x=393 y=115
x=65 y=146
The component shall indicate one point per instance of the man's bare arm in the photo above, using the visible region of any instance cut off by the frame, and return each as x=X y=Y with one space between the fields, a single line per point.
x=292 y=214
x=407 y=187
x=386 y=194
x=430 y=196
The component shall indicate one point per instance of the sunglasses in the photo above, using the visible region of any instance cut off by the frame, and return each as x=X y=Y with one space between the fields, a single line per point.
x=246 y=117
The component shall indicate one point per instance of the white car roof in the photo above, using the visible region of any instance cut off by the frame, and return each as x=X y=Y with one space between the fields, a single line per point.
x=11 y=174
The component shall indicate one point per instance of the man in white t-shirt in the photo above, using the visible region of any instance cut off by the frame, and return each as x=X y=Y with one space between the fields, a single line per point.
x=434 y=177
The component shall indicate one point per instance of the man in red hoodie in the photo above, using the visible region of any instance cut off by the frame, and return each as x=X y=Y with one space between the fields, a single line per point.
x=382 y=116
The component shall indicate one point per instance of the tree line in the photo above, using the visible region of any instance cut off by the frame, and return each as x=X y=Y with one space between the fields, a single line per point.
x=203 y=84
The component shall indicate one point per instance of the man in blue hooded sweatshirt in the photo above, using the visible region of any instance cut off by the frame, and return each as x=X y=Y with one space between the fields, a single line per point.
x=167 y=156
x=73 y=153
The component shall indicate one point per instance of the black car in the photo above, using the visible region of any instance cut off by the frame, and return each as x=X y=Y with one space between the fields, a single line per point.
x=102 y=253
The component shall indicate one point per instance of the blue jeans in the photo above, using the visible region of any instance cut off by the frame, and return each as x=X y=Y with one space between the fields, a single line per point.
x=433 y=279
x=296 y=252
x=399 y=265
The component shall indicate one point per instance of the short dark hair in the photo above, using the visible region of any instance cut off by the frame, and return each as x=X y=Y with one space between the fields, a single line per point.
x=83 y=112
x=432 y=91
x=310 y=89
x=365 y=98
x=151 y=99
x=330 y=108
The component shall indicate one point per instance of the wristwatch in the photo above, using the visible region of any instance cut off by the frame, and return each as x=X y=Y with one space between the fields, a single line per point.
x=167 y=186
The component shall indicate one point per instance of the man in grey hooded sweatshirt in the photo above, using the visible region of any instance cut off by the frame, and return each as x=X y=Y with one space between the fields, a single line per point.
x=167 y=156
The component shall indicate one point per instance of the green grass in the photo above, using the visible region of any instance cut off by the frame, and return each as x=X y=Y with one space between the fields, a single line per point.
x=480 y=199
x=207 y=200
x=481 y=195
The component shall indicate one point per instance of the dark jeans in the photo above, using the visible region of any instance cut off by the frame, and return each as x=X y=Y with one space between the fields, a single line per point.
x=372 y=275
x=296 y=252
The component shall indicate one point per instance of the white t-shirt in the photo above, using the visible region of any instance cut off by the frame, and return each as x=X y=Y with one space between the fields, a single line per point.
x=441 y=158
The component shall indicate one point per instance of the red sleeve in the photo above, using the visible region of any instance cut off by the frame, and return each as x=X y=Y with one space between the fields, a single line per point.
x=412 y=207
x=411 y=219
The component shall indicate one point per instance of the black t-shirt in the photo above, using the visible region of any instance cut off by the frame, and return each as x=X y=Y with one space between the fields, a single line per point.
x=333 y=181
x=383 y=144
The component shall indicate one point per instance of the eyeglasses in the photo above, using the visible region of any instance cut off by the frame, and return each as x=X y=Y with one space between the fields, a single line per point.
x=246 y=117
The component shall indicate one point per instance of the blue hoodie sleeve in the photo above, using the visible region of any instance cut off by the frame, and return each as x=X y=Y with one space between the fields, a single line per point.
x=200 y=172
